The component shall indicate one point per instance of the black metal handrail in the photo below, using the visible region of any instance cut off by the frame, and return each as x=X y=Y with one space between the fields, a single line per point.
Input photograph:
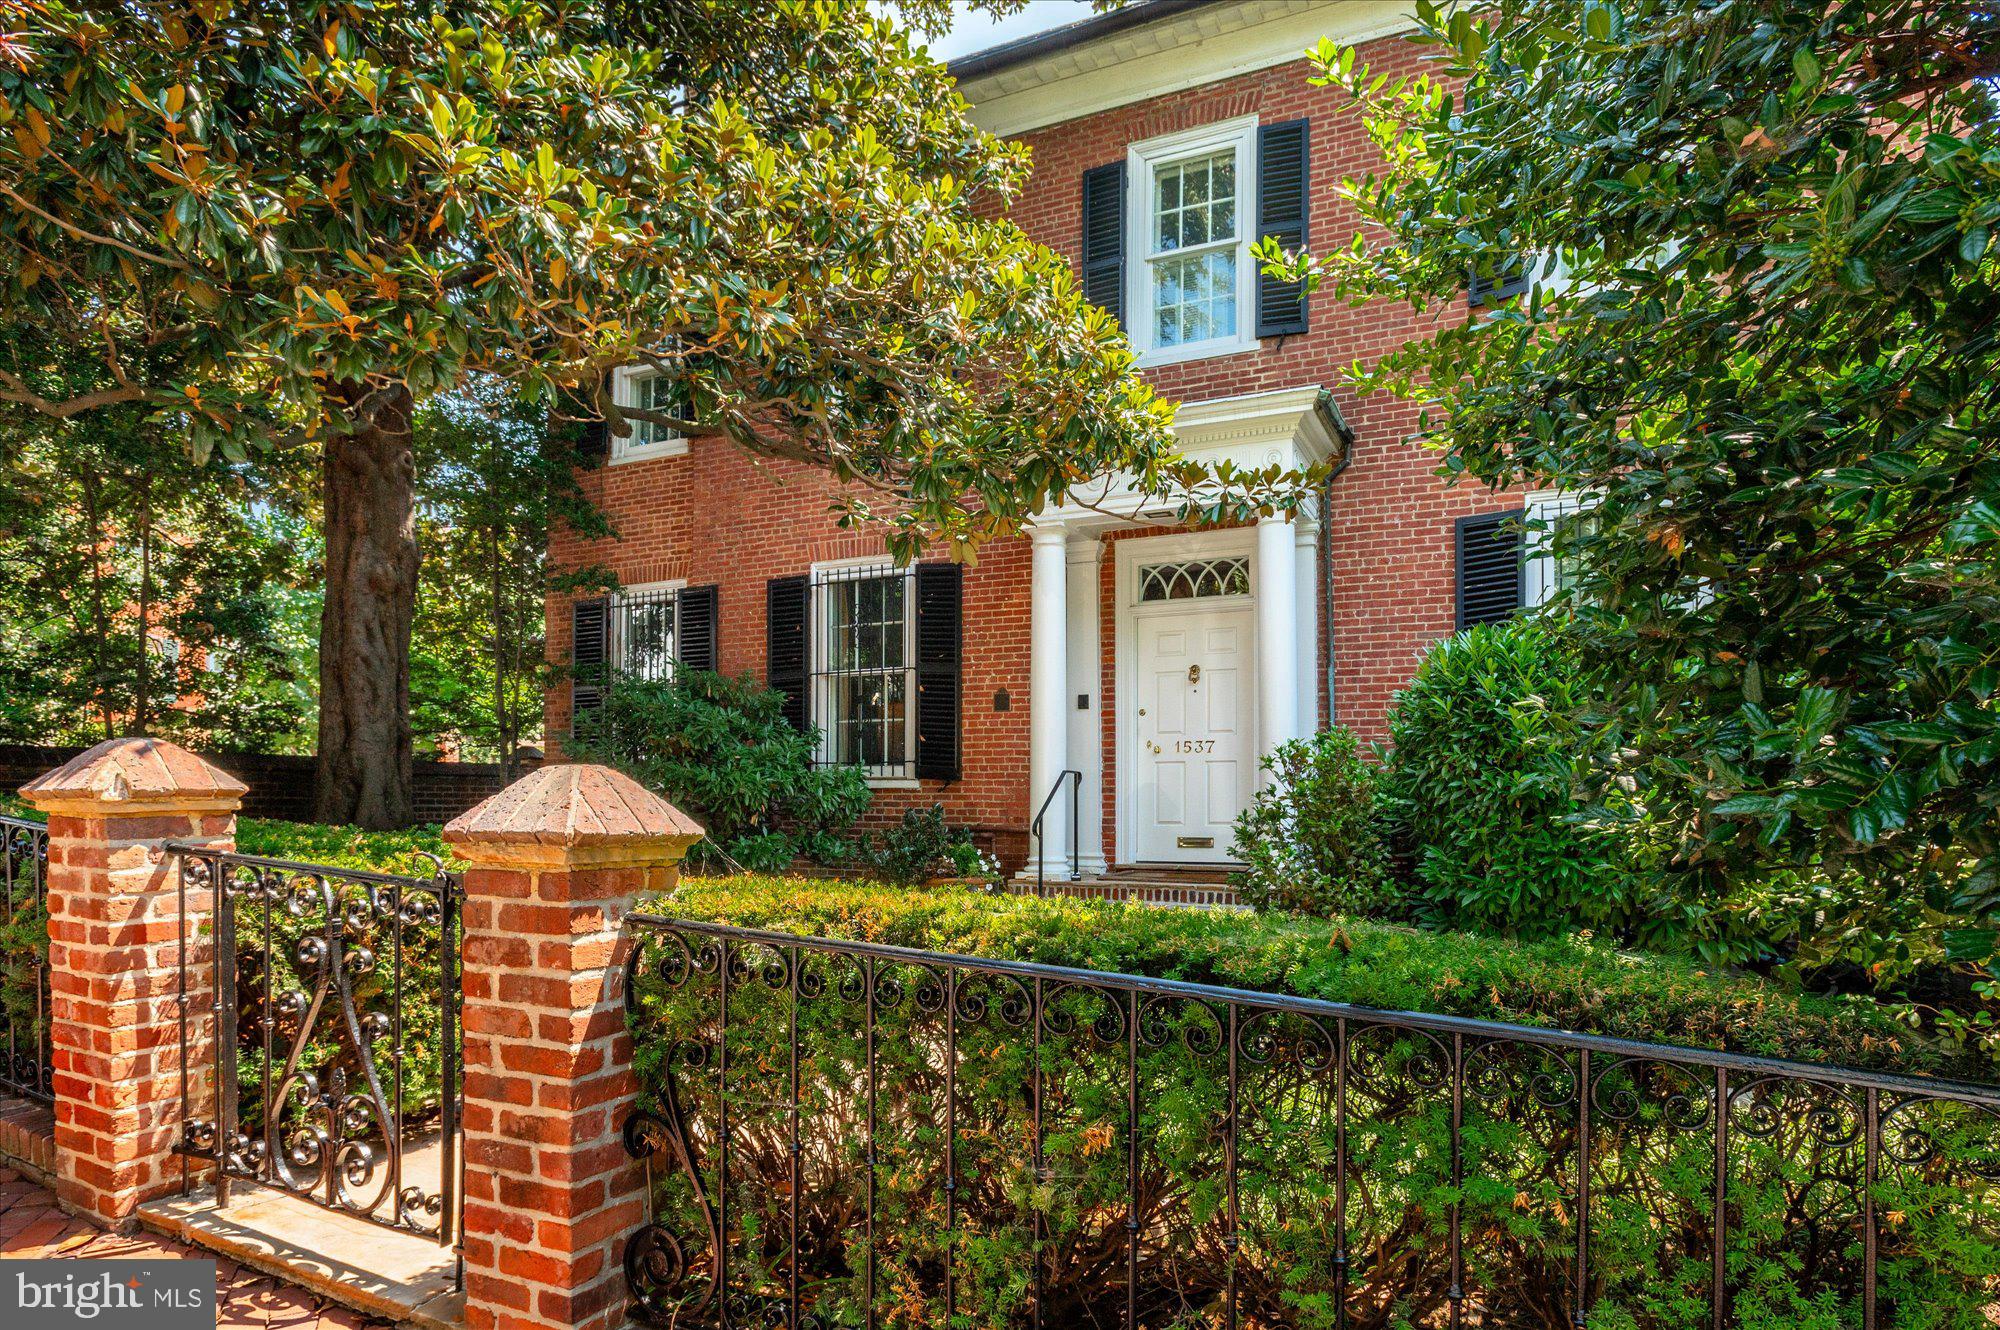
x=1074 y=779
x=326 y=974
x=729 y=1112
x=24 y=880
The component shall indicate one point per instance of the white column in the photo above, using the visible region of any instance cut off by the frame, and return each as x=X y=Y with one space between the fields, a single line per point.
x=1277 y=636
x=1085 y=705
x=1307 y=590
x=1048 y=681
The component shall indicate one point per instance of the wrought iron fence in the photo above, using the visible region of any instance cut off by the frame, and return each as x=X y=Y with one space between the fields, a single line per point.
x=849 y=1134
x=333 y=1004
x=24 y=954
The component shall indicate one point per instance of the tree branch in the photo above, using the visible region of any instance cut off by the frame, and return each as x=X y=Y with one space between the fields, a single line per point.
x=92 y=236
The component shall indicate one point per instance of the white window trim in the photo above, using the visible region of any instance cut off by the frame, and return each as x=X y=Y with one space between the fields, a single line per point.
x=625 y=392
x=1546 y=507
x=1140 y=161
x=820 y=703
x=615 y=629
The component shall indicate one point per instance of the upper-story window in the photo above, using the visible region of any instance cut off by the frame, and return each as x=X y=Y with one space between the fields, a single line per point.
x=649 y=390
x=1192 y=290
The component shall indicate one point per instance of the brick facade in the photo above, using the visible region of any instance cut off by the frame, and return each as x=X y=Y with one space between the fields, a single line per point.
x=714 y=516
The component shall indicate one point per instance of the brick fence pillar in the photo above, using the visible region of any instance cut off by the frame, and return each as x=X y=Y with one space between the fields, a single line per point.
x=557 y=859
x=115 y=937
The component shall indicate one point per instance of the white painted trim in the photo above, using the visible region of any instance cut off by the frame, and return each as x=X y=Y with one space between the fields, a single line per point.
x=625 y=449
x=1205 y=45
x=1141 y=160
x=1126 y=611
x=1279 y=427
x=1538 y=581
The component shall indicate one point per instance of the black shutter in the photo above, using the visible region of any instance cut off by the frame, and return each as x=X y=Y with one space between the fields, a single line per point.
x=695 y=636
x=1491 y=573
x=1104 y=237
x=589 y=655
x=1510 y=279
x=940 y=639
x=1283 y=201
x=788 y=644
x=593 y=440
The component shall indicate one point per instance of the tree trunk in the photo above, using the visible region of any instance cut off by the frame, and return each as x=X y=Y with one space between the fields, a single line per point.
x=369 y=492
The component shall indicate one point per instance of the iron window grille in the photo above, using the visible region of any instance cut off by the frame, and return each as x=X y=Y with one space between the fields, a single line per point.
x=864 y=668
x=645 y=626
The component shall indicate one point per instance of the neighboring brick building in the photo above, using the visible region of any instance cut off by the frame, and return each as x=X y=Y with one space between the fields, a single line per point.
x=1160 y=663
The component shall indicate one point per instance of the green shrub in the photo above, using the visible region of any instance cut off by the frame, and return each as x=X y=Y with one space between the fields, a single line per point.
x=721 y=750
x=1309 y=840
x=407 y=852
x=920 y=847
x=1190 y=1186
x=1478 y=776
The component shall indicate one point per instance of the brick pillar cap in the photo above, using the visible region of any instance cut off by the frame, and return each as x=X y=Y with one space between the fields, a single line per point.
x=135 y=777
x=573 y=807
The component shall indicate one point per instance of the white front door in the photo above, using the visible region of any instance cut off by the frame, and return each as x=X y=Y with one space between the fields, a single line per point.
x=1194 y=732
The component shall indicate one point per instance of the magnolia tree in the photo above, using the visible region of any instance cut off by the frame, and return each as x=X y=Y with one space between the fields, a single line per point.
x=1759 y=346
x=329 y=212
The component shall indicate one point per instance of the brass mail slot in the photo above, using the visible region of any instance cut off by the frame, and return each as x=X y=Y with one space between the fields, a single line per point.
x=1196 y=842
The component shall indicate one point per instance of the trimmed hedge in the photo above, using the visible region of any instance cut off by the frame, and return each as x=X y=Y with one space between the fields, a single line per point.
x=1054 y=1168
x=1568 y=983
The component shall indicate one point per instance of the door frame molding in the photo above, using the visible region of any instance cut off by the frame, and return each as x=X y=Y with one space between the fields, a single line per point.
x=1129 y=556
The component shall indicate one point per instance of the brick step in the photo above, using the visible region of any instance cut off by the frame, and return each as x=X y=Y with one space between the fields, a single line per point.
x=401 y=1277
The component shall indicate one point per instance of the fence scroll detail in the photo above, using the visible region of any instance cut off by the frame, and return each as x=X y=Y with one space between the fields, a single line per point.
x=24 y=980
x=335 y=1023
x=841 y=1134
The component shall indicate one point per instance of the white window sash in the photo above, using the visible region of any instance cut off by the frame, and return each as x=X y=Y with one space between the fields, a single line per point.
x=1143 y=161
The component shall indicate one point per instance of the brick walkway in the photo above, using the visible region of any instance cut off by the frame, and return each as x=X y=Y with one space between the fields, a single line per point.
x=31 y=1225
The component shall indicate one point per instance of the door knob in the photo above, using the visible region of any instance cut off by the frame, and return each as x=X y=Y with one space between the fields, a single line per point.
x=1142 y=711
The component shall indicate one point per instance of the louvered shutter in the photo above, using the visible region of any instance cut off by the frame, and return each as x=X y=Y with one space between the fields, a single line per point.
x=788 y=644
x=1283 y=200
x=1104 y=237
x=695 y=635
x=940 y=654
x=589 y=655
x=593 y=440
x=1510 y=279
x=1490 y=569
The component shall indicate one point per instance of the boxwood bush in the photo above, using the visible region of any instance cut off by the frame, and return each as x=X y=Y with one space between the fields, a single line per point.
x=1310 y=841
x=1479 y=777
x=1791 y=1242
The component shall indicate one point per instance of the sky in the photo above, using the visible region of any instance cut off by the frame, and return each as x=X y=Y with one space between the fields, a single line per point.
x=976 y=30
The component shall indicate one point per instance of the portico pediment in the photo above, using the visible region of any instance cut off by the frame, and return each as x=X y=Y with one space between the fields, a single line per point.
x=1290 y=428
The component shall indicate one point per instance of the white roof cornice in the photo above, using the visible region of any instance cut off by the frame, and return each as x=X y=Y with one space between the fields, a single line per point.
x=1183 y=50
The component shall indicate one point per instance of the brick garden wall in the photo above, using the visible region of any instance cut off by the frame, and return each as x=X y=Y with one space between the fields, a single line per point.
x=281 y=785
x=713 y=516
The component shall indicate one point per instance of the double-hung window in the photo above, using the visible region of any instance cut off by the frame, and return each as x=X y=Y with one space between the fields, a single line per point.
x=864 y=667
x=647 y=390
x=1192 y=292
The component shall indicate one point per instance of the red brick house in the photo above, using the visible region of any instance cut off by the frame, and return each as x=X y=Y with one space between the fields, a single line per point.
x=1160 y=663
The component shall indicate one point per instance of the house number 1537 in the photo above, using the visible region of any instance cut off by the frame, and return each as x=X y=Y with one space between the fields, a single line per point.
x=1194 y=745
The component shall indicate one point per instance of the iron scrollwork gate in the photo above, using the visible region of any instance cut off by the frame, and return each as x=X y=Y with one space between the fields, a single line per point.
x=331 y=998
